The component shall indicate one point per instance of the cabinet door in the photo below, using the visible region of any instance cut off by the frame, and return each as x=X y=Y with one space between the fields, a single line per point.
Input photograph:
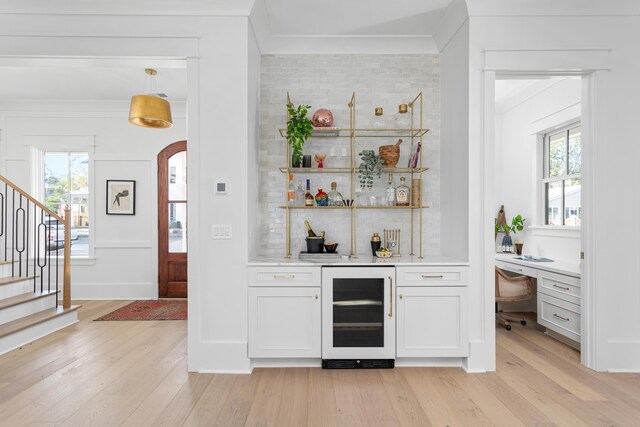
x=284 y=322
x=432 y=322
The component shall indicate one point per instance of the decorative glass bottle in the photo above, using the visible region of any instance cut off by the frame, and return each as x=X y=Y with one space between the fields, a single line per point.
x=403 y=120
x=391 y=192
x=403 y=194
x=322 y=199
x=335 y=198
x=308 y=198
x=378 y=120
x=291 y=193
x=299 y=195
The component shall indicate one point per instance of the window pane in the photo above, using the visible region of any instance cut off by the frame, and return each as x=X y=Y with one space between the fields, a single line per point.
x=553 y=192
x=178 y=176
x=575 y=150
x=177 y=227
x=572 y=202
x=56 y=181
x=558 y=154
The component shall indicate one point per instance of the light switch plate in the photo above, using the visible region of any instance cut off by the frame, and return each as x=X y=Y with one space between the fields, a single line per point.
x=222 y=187
x=221 y=231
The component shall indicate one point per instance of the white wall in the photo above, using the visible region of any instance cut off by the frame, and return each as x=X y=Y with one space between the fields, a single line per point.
x=124 y=264
x=254 y=143
x=615 y=265
x=518 y=126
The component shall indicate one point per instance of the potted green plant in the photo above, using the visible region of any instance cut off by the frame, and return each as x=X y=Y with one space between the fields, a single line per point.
x=517 y=224
x=299 y=129
x=371 y=164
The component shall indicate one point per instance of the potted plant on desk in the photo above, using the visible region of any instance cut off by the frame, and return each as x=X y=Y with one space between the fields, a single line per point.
x=517 y=224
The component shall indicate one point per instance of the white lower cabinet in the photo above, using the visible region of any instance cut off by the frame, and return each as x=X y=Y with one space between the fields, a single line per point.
x=284 y=322
x=432 y=321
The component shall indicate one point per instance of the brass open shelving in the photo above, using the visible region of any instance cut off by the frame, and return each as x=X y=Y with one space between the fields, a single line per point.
x=414 y=133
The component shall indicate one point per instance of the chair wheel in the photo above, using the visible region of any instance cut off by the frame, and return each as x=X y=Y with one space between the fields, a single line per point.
x=523 y=322
x=508 y=327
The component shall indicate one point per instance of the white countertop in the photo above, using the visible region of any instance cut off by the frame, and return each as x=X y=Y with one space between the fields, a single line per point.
x=560 y=267
x=364 y=259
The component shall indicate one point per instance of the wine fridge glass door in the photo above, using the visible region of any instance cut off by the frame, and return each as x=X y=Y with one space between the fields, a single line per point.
x=358 y=316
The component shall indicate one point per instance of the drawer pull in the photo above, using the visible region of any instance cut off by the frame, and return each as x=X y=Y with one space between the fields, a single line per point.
x=316 y=296
x=284 y=276
x=432 y=276
x=560 y=317
x=560 y=287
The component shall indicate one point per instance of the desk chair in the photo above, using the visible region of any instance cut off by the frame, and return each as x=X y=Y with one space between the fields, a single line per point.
x=511 y=288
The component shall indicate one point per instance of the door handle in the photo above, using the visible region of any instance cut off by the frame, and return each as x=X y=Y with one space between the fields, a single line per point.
x=390 y=296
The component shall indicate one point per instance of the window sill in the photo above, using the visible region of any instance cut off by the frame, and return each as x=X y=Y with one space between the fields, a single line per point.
x=83 y=260
x=556 y=231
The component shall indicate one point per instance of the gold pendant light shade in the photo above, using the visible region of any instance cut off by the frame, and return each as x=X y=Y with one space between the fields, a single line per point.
x=150 y=111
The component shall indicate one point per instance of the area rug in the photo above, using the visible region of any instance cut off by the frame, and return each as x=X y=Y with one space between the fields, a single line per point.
x=150 y=310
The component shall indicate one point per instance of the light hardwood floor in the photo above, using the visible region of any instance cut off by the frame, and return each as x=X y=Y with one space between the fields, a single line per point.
x=135 y=374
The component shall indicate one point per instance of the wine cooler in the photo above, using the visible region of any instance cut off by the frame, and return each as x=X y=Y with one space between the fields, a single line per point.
x=358 y=315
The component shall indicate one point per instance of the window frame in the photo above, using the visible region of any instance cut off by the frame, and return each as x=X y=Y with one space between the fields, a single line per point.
x=546 y=179
x=89 y=258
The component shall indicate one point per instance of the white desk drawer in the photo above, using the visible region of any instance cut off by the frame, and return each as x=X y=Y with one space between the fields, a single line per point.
x=564 y=287
x=432 y=276
x=560 y=316
x=517 y=269
x=284 y=276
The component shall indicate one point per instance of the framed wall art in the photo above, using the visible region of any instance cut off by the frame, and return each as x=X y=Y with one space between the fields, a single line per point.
x=121 y=197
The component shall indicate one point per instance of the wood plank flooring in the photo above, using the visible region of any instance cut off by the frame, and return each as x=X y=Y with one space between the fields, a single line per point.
x=135 y=374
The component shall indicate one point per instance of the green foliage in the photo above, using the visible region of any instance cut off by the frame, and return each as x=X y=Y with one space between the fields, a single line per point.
x=299 y=129
x=517 y=224
x=371 y=163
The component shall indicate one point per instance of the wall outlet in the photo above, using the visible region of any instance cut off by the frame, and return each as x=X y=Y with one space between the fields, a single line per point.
x=222 y=188
x=221 y=231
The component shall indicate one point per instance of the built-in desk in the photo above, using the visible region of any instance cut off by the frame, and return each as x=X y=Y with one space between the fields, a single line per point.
x=559 y=296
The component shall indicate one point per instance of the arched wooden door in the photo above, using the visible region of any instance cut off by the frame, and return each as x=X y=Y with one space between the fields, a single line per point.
x=172 y=221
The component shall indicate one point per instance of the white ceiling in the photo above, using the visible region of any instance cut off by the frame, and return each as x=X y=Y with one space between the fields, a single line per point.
x=69 y=80
x=354 y=17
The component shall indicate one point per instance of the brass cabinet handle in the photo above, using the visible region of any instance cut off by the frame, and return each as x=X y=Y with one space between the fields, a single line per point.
x=316 y=296
x=390 y=296
x=432 y=276
x=284 y=276
x=560 y=287
x=560 y=317
x=401 y=296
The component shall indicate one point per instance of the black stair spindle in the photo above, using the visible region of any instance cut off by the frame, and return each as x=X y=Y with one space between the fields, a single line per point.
x=19 y=225
x=13 y=233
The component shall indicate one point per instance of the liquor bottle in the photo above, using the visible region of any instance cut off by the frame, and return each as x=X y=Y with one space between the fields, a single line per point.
x=291 y=194
x=308 y=198
x=322 y=199
x=403 y=194
x=300 y=195
x=310 y=232
x=335 y=198
x=391 y=192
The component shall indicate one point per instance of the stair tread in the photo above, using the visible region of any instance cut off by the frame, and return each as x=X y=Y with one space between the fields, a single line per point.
x=26 y=297
x=34 y=319
x=10 y=280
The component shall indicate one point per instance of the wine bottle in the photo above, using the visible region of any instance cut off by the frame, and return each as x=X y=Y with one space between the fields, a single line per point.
x=308 y=197
x=309 y=230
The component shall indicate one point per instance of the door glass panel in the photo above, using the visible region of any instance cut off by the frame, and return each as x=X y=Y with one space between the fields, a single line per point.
x=358 y=312
x=178 y=176
x=177 y=227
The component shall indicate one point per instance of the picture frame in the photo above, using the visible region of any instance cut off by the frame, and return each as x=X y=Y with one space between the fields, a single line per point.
x=121 y=197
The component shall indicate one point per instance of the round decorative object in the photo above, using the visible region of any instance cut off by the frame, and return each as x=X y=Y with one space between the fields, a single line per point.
x=384 y=254
x=390 y=154
x=322 y=118
x=322 y=198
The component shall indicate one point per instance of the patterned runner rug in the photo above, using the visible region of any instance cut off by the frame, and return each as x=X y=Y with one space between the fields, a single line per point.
x=150 y=310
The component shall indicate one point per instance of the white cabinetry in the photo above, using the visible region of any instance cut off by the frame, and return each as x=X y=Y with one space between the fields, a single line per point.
x=432 y=312
x=559 y=299
x=284 y=312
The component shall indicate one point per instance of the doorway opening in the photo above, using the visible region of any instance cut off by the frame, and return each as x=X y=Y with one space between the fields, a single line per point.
x=172 y=221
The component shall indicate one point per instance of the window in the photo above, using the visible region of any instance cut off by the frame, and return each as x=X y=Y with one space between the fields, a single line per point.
x=561 y=178
x=66 y=184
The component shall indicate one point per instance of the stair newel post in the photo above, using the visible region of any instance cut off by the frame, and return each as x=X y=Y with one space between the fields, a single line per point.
x=66 y=299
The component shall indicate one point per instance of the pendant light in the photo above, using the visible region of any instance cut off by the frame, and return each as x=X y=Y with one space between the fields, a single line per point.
x=150 y=111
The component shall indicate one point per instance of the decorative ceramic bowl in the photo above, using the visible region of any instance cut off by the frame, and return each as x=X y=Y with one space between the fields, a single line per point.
x=330 y=247
x=322 y=118
x=385 y=254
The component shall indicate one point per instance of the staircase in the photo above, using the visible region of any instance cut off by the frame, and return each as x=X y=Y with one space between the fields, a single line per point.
x=35 y=269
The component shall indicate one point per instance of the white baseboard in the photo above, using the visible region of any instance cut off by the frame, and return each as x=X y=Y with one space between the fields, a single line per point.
x=113 y=291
